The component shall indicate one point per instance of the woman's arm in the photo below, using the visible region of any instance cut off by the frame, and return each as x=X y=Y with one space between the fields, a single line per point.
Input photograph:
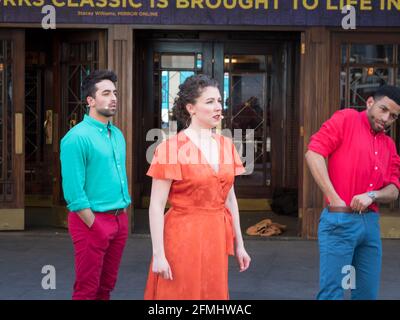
x=241 y=254
x=159 y=195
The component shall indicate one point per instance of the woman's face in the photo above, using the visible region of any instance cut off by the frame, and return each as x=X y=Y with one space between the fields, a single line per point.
x=207 y=110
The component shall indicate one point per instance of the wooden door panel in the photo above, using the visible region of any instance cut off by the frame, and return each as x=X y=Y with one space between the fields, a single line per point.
x=80 y=53
x=12 y=130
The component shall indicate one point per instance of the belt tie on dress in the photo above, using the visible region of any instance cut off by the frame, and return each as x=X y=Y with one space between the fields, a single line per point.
x=229 y=234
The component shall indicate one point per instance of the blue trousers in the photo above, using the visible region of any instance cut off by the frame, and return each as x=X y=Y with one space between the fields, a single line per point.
x=349 y=245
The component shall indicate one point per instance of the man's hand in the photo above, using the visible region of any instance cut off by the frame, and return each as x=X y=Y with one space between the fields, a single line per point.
x=337 y=203
x=360 y=202
x=87 y=217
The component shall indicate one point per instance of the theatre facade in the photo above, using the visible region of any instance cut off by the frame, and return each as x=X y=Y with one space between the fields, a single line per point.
x=283 y=66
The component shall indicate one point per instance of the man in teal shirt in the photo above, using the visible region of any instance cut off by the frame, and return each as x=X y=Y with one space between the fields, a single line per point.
x=96 y=190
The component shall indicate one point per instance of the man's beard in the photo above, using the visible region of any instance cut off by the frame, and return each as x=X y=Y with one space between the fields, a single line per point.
x=385 y=129
x=107 y=112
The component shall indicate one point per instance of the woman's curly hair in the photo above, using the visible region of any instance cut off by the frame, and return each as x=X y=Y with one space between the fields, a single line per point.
x=188 y=93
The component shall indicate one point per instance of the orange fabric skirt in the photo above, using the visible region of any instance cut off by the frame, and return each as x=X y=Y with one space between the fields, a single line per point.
x=197 y=243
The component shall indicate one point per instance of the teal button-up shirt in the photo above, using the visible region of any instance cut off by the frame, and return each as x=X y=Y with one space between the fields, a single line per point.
x=93 y=167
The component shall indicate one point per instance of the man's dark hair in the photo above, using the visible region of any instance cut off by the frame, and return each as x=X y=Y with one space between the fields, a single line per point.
x=391 y=92
x=89 y=83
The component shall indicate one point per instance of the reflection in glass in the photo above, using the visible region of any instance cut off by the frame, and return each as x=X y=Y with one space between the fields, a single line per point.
x=238 y=63
x=169 y=61
x=170 y=81
x=364 y=74
x=398 y=77
x=342 y=88
x=246 y=106
x=363 y=82
x=246 y=101
x=344 y=53
x=32 y=114
x=369 y=53
x=80 y=60
x=199 y=61
x=226 y=89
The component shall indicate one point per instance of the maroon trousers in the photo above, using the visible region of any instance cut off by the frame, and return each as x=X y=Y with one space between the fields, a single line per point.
x=98 y=252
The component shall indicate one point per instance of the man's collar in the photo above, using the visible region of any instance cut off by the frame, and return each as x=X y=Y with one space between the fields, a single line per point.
x=97 y=123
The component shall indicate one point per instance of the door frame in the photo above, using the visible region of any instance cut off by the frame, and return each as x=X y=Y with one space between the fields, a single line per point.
x=12 y=214
x=213 y=64
x=274 y=49
x=339 y=38
x=146 y=117
x=61 y=37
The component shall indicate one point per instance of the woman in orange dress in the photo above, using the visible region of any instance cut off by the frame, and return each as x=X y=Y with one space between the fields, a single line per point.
x=194 y=171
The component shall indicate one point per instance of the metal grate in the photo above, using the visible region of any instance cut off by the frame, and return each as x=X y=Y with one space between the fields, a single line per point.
x=247 y=98
x=79 y=59
x=364 y=68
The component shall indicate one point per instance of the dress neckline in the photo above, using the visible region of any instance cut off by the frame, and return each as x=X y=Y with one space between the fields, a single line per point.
x=202 y=154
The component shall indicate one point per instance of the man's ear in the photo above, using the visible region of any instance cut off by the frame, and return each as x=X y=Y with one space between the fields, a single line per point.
x=370 y=102
x=90 y=101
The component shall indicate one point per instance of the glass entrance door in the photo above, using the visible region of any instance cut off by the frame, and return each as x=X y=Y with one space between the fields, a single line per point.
x=54 y=71
x=172 y=63
x=364 y=68
x=169 y=63
x=171 y=70
x=81 y=53
x=247 y=98
x=252 y=78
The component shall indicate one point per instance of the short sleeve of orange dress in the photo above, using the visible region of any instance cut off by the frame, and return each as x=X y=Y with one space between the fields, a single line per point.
x=237 y=162
x=165 y=164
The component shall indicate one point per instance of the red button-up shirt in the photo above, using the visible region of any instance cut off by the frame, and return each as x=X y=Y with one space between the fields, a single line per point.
x=359 y=160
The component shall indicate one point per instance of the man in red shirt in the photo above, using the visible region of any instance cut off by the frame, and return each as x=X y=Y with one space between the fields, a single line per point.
x=363 y=170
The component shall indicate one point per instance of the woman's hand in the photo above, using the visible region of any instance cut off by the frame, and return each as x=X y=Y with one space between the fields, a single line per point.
x=161 y=266
x=243 y=259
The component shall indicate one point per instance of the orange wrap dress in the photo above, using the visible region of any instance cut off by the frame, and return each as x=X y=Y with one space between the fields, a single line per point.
x=198 y=228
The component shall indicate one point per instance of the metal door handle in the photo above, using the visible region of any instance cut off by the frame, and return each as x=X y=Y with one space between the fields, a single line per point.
x=48 y=127
x=19 y=129
x=72 y=122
